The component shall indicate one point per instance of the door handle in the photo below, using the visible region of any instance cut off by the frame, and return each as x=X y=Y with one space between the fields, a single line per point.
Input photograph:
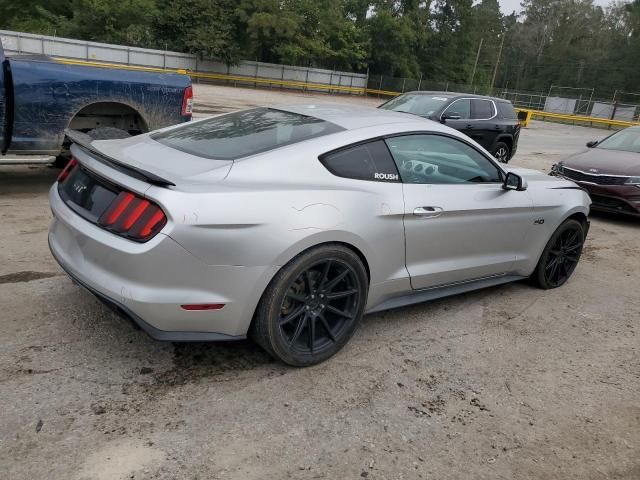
x=429 y=212
x=469 y=126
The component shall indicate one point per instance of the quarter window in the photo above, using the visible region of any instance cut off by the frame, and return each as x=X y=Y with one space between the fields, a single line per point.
x=462 y=107
x=506 y=111
x=482 y=109
x=368 y=161
x=437 y=159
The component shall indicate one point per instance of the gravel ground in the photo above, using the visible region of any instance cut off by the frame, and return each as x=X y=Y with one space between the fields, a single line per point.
x=504 y=383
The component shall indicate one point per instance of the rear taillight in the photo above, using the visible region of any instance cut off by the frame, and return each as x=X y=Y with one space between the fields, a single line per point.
x=67 y=170
x=133 y=217
x=187 y=102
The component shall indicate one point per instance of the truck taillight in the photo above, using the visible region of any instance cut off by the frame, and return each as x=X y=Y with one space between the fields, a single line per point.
x=187 y=102
x=133 y=217
x=67 y=170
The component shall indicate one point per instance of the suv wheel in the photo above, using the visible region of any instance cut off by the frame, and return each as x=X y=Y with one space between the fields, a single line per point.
x=501 y=152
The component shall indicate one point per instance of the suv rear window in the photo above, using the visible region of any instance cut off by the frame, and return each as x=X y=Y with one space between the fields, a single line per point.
x=506 y=111
x=244 y=133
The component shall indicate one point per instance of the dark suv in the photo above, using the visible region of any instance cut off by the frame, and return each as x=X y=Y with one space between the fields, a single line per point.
x=492 y=122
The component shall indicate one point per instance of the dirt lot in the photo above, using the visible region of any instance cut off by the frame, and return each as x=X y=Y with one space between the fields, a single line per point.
x=505 y=383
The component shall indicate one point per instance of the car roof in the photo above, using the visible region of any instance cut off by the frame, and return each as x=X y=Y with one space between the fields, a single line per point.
x=455 y=95
x=349 y=116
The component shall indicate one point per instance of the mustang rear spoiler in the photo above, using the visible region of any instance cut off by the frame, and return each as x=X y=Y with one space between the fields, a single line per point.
x=84 y=142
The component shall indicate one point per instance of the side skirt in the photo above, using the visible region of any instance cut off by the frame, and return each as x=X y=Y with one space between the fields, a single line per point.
x=419 y=296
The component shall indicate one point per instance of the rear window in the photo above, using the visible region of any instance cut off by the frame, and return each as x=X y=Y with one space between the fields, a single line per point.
x=506 y=111
x=245 y=133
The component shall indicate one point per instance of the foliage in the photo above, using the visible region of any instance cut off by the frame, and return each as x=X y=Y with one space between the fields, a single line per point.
x=560 y=42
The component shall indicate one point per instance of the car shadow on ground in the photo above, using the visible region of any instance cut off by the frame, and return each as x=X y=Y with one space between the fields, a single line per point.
x=193 y=361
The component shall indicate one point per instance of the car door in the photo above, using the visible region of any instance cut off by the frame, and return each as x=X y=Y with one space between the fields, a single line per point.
x=460 y=107
x=460 y=224
x=484 y=122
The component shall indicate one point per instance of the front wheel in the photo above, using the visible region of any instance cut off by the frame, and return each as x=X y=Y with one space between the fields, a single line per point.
x=561 y=255
x=312 y=306
x=501 y=152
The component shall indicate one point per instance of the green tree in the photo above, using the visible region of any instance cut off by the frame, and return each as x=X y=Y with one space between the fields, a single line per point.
x=451 y=49
x=203 y=27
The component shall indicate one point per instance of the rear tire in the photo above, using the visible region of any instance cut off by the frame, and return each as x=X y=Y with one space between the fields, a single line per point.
x=312 y=306
x=501 y=152
x=560 y=256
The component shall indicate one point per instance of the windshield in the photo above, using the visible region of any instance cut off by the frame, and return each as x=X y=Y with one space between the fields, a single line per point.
x=419 y=104
x=626 y=140
x=244 y=133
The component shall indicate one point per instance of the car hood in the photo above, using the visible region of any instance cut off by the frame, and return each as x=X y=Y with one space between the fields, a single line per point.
x=181 y=168
x=603 y=161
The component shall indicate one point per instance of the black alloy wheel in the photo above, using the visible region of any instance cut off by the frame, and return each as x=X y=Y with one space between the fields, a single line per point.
x=561 y=255
x=501 y=152
x=313 y=306
x=319 y=305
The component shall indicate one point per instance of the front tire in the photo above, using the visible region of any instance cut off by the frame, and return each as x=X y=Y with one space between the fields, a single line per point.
x=312 y=306
x=501 y=152
x=561 y=255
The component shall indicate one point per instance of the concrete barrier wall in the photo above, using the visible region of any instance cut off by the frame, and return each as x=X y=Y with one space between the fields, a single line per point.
x=17 y=43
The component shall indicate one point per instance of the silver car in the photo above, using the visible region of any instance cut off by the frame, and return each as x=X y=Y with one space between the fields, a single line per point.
x=290 y=223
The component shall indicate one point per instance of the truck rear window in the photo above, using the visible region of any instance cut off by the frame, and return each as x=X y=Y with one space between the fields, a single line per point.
x=244 y=133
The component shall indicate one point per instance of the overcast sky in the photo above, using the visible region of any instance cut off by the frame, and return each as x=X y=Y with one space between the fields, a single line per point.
x=508 y=6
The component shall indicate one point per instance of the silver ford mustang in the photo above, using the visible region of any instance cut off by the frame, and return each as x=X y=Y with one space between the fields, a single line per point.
x=290 y=223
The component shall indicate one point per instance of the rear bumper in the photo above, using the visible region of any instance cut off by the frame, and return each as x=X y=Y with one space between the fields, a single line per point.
x=153 y=332
x=148 y=282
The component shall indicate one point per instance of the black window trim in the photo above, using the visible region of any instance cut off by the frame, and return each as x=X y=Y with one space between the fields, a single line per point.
x=491 y=160
x=495 y=108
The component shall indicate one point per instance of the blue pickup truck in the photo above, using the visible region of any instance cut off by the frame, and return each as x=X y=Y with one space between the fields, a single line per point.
x=41 y=96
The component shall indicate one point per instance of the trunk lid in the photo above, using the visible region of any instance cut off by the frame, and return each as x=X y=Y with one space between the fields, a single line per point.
x=178 y=168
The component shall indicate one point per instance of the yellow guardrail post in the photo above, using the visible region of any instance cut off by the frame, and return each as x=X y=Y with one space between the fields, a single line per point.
x=525 y=117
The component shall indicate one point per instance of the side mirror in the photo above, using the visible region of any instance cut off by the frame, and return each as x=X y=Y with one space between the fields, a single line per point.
x=592 y=143
x=451 y=116
x=513 y=181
